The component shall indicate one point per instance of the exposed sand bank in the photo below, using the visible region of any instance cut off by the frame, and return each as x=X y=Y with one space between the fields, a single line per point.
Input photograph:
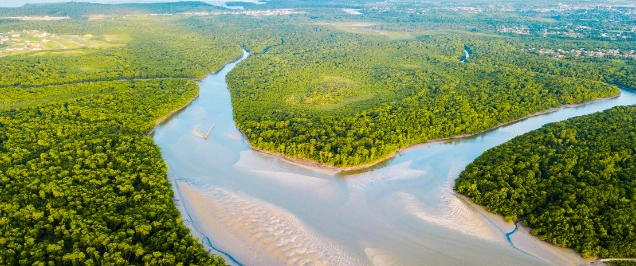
x=352 y=11
x=397 y=172
x=457 y=215
x=248 y=160
x=528 y=243
x=380 y=257
x=256 y=232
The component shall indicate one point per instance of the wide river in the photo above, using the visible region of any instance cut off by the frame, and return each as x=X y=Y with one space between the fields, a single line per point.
x=262 y=210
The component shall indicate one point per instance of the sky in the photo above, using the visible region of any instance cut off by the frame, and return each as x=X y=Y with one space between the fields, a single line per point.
x=15 y=3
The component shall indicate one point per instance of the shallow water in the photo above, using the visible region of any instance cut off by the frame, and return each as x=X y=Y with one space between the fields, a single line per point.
x=262 y=210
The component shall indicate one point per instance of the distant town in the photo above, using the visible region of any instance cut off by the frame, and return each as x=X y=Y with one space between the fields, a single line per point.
x=598 y=53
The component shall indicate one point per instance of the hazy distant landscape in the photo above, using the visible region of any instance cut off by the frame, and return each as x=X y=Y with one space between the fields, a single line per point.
x=299 y=132
x=17 y=3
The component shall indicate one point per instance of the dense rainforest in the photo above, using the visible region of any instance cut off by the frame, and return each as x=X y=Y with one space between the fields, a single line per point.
x=79 y=10
x=80 y=182
x=82 y=185
x=572 y=182
x=347 y=99
x=142 y=48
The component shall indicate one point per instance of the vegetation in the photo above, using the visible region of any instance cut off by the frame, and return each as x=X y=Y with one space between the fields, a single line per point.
x=80 y=182
x=160 y=48
x=80 y=10
x=572 y=182
x=623 y=263
x=346 y=99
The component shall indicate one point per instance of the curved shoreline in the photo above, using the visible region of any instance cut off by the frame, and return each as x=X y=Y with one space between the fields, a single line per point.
x=204 y=239
x=166 y=117
x=516 y=237
x=332 y=169
x=195 y=230
x=520 y=238
x=175 y=111
x=540 y=249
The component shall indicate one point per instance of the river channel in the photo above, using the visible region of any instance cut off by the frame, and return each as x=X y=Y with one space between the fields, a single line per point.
x=258 y=209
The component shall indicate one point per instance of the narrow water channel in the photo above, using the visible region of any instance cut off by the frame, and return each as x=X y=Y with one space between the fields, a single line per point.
x=261 y=210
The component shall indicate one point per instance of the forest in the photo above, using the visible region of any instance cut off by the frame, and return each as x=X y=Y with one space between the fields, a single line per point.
x=82 y=184
x=143 y=48
x=571 y=182
x=79 y=10
x=348 y=99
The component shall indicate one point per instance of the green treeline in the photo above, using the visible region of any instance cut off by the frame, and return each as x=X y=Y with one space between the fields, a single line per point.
x=573 y=182
x=80 y=182
x=82 y=185
x=81 y=10
x=143 y=48
x=346 y=99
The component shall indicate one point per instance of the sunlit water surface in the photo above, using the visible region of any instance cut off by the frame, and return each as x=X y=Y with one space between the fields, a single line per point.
x=262 y=210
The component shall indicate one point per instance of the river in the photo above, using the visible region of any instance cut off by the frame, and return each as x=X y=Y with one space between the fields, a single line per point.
x=466 y=56
x=262 y=210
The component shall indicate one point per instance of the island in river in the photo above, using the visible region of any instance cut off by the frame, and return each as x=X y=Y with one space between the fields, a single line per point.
x=403 y=211
x=337 y=88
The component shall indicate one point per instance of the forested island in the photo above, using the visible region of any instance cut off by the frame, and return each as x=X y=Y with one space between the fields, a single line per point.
x=345 y=99
x=572 y=182
x=83 y=84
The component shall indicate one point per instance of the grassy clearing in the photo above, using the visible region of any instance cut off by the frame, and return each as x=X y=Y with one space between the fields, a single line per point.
x=37 y=42
x=117 y=38
x=350 y=100
x=327 y=91
x=543 y=19
x=363 y=27
x=366 y=28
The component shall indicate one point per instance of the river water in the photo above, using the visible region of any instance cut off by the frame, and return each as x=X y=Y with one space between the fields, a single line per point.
x=262 y=210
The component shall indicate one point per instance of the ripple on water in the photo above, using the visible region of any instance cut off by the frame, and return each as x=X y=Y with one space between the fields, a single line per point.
x=456 y=214
x=259 y=232
x=400 y=171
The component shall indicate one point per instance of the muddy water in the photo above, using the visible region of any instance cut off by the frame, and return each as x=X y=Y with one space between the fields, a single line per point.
x=261 y=210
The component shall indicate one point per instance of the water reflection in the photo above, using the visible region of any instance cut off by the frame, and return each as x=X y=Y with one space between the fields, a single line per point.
x=263 y=209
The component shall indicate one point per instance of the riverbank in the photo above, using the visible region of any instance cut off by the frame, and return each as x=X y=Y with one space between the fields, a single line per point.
x=257 y=232
x=245 y=54
x=245 y=200
x=519 y=237
x=313 y=165
x=173 y=112
x=163 y=119
x=333 y=170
